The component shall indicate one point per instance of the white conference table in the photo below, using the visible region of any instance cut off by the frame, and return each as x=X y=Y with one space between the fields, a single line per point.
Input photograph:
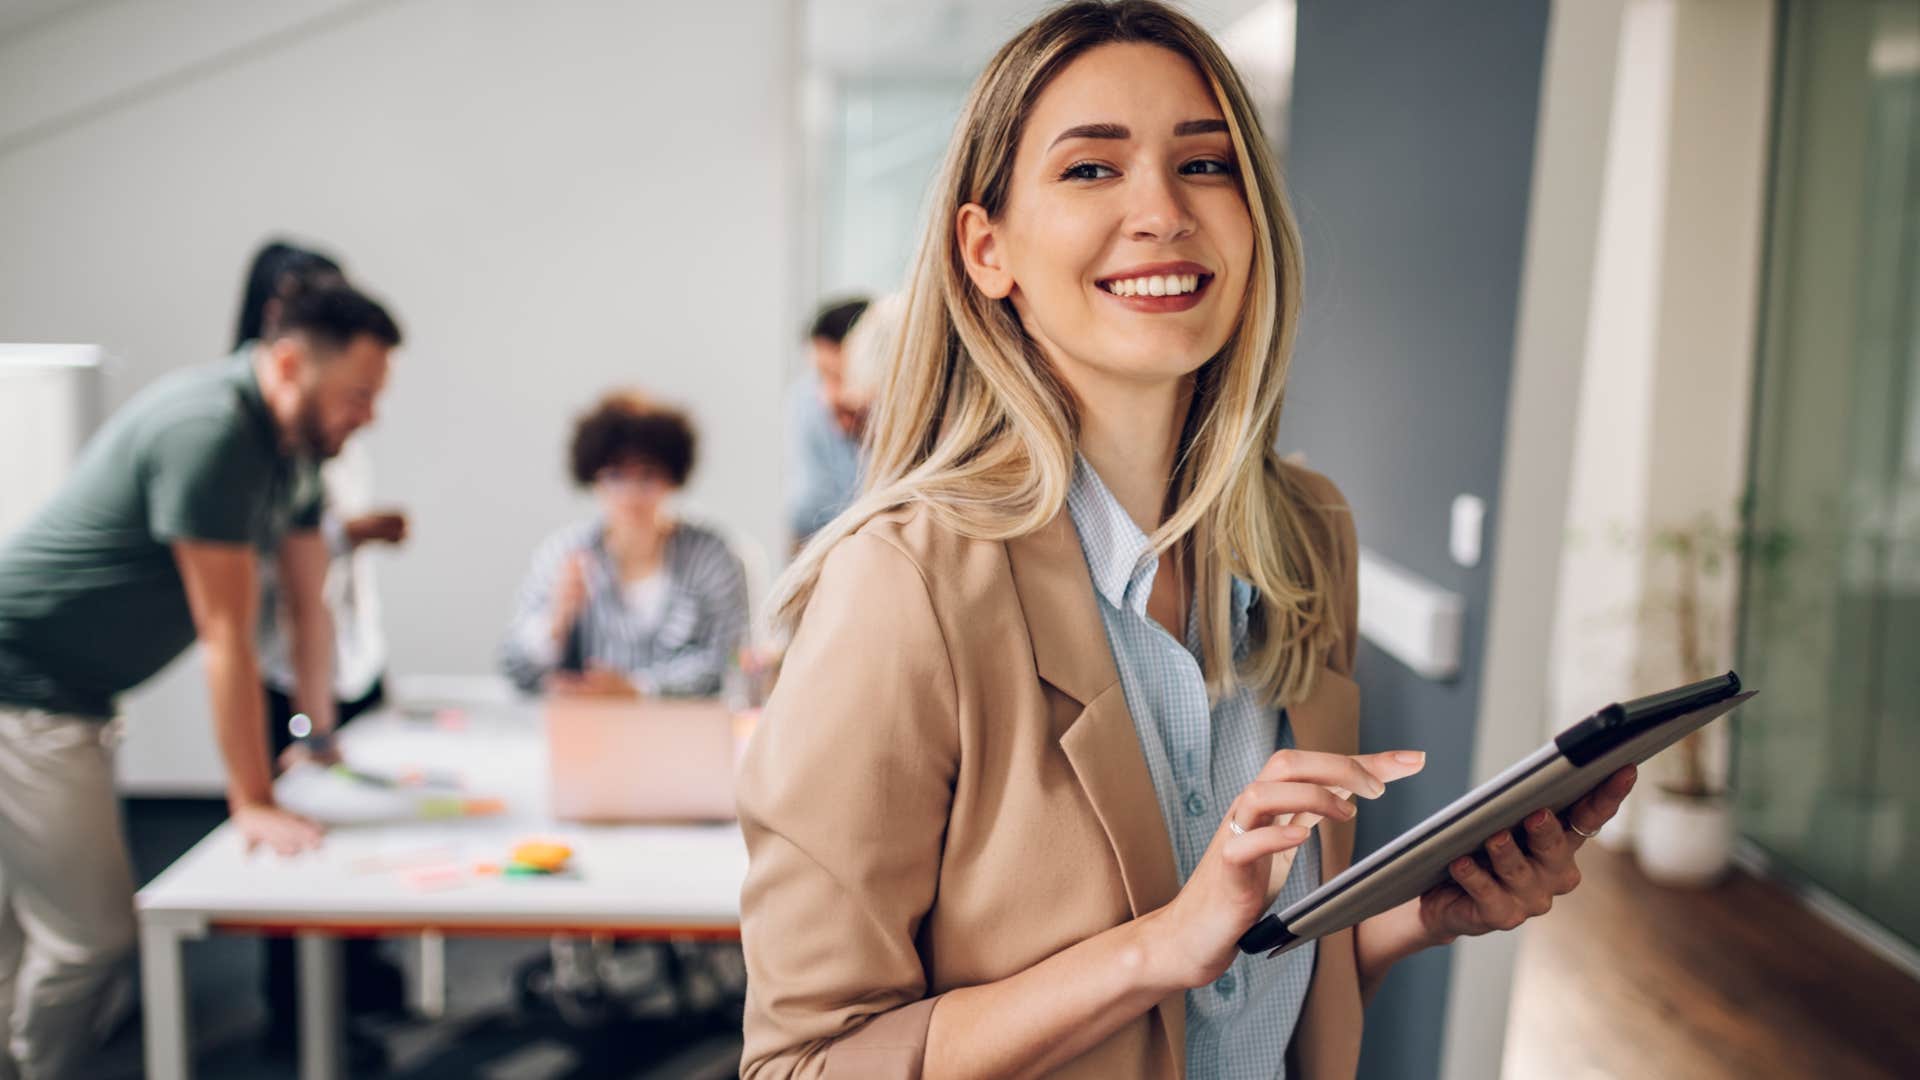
x=418 y=876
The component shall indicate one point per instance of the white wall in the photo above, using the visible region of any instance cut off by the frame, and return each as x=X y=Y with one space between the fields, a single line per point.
x=1600 y=573
x=1632 y=371
x=48 y=400
x=553 y=198
x=1566 y=232
x=1662 y=429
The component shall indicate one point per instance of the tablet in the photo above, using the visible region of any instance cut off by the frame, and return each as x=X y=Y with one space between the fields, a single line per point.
x=1557 y=775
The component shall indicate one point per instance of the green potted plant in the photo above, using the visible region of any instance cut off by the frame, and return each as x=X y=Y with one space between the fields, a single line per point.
x=1683 y=831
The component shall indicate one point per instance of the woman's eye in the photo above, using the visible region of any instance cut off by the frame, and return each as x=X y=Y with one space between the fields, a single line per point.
x=1088 y=170
x=1208 y=167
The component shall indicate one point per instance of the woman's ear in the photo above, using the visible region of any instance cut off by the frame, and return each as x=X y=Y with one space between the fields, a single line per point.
x=979 y=244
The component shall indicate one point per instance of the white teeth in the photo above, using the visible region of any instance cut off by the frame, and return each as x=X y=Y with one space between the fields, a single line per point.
x=1155 y=285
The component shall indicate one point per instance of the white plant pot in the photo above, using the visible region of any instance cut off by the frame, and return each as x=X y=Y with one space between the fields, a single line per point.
x=1681 y=841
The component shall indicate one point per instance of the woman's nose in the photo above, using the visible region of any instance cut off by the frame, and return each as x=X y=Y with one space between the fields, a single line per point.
x=1157 y=211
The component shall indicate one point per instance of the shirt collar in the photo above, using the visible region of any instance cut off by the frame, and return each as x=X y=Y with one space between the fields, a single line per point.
x=1119 y=555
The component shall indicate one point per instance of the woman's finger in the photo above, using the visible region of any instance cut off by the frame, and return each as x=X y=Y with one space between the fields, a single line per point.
x=1496 y=906
x=1391 y=765
x=1319 y=767
x=1262 y=802
x=1598 y=806
x=1547 y=841
x=1366 y=775
x=1256 y=844
x=1517 y=876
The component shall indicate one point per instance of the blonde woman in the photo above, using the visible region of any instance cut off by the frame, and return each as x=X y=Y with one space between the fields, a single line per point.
x=1068 y=705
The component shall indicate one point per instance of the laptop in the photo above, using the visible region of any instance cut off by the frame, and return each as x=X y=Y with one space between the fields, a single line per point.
x=640 y=760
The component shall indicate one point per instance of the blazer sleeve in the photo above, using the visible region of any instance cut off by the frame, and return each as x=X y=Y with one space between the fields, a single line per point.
x=844 y=797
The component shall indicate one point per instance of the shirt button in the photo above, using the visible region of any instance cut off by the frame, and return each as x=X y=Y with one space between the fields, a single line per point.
x=1194 y=806
x=1224 y=984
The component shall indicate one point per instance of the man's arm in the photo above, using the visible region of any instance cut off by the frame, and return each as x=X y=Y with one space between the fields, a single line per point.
x=303 y=574
x=222 y=584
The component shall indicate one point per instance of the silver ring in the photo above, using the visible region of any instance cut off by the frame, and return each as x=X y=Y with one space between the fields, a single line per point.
x=1234 y=828
x=1580 y=832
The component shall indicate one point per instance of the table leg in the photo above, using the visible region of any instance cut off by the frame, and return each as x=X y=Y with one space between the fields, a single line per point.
x=321 y=1031
x=430 y=991
x=163 y=994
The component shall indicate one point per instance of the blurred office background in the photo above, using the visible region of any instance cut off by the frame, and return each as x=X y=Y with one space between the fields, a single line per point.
x=1611 y=313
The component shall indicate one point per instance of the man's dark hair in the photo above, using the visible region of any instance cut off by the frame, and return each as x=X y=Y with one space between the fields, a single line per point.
x=836 y=318
x=626 y=427
x=331 y=315
x=279 y=270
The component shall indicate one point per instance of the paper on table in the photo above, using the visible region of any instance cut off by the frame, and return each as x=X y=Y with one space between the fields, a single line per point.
x=331 y=798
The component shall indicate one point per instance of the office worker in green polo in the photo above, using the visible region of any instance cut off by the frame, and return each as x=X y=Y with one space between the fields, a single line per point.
x=154 y=542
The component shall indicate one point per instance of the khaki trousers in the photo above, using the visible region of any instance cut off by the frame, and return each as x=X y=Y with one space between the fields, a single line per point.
x=66 y=890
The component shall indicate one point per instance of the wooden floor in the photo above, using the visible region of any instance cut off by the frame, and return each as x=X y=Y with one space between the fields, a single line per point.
x=1627 y=979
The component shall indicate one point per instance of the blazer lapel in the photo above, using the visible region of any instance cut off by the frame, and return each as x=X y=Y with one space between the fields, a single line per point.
x=1071 y=654
x=1329 y=721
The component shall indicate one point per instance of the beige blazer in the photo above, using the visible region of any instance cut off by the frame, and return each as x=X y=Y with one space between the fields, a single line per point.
x=947 y=788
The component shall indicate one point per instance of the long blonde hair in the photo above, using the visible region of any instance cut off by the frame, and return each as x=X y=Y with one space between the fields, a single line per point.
x=974 y=425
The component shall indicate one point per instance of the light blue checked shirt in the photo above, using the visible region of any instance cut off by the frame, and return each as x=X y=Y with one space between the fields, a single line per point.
x=1200 y=756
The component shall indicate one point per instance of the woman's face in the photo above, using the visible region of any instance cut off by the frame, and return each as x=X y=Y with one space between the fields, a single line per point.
x=1125 y=244
x=632 y=492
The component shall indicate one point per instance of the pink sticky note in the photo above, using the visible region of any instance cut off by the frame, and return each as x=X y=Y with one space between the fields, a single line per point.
x=434 y=877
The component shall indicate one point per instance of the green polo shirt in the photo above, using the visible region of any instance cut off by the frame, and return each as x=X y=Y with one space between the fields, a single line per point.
x=91 y=602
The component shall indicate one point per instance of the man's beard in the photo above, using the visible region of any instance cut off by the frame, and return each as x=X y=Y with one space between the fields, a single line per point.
x=315 y=443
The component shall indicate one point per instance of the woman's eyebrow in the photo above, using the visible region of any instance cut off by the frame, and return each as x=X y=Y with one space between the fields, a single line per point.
x=1199 y=127
x=1092 y=131
x=1121 y=131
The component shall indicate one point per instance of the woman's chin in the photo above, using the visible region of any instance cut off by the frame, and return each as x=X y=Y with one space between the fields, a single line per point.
x=1151 y=361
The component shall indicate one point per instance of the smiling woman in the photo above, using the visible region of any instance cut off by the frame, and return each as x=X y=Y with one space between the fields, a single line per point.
x=1068 y=703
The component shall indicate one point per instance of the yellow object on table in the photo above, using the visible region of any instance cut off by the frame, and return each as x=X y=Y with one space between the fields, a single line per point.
x=543 y=855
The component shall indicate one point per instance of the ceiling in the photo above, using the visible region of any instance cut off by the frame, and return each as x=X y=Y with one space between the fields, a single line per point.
x=922 y=37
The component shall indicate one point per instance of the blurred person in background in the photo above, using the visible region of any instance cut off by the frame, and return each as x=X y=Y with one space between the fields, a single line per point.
x=824 y=423
x=635 y=600
x=348 y=523
x=154 y=541
x=867 y=352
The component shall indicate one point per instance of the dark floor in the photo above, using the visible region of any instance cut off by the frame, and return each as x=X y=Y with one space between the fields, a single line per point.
x=1629 y=979
x=484 y=1034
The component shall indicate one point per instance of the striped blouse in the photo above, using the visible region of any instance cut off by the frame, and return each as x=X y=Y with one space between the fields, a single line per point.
x=677 y=641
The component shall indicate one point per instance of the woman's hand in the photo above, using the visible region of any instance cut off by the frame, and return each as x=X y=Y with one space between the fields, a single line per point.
x=1194 y=938
x=1523 y=882
x=569 y=595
